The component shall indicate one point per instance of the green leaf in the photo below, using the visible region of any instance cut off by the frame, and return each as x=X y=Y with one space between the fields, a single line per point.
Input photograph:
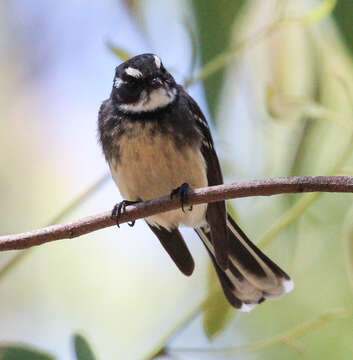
x=215 y=20
x=217 y=313
x=82 y=349
x=343 y=14
x=23 y=352
x=119 y=52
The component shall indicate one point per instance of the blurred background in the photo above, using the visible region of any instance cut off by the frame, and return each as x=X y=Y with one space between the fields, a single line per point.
x=275 y=79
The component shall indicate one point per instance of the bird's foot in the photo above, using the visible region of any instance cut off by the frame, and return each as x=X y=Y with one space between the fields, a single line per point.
x=182 y=193
x=119 y=209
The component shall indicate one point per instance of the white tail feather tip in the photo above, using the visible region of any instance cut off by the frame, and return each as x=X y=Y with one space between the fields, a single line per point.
x=247 y=307
x=288 y=286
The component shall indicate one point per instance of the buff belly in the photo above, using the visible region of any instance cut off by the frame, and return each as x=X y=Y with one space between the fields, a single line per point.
x=150 y=165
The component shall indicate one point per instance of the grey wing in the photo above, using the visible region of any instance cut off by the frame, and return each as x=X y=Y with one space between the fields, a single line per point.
x=108 y=128
x=216 y=214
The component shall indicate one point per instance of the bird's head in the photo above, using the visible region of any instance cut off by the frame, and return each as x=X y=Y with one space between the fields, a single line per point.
x=142 y=84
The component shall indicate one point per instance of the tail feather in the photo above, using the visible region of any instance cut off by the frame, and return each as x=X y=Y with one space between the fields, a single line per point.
x=174 y=244
x=251 y=276
x=238 y=233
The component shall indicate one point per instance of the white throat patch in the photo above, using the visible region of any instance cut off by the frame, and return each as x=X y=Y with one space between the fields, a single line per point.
x=157 y=99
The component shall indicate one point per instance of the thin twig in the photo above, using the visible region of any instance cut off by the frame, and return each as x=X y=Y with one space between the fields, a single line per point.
x=264 y=187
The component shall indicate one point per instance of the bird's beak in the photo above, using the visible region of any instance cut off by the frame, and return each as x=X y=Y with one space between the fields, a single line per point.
x=157 y=83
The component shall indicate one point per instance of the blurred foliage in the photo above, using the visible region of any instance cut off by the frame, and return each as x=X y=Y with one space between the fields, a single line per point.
x=191 y=29
x=320 y=12
x=82 y=349
x=348 y=245
x=288 y=338
x=217 y=313
x=317 y=114
x=119 y=52
x=343 y=14
x=319 y=118
x=22 y=352
x=215 y=20
x=66 y=211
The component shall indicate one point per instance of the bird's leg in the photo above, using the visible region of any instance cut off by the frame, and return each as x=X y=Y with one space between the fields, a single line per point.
x=119 y=209
x=182 y=193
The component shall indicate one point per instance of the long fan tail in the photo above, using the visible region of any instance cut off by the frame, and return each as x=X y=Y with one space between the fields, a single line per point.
x=251 y=276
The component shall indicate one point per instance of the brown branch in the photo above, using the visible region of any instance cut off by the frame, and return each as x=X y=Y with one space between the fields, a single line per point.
x=266 y=187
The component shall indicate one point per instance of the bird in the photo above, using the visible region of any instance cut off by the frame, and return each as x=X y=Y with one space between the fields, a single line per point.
x=156 y=142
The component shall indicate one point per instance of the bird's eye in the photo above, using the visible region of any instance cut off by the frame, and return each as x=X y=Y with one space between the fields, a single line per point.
x=132 y=80
x=129 y=92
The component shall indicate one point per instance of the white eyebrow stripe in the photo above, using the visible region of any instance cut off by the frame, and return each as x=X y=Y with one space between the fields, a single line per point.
x=133 y=72
x=157 y=61
x=118 y=82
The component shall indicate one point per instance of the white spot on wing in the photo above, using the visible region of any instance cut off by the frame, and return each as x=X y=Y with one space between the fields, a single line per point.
x=157 y=61
x=133 y=72
x=206 y=143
